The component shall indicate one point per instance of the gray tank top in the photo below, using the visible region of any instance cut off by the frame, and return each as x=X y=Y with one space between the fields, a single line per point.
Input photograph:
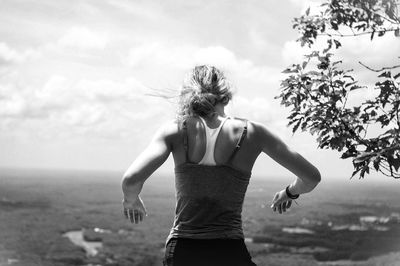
x=209 y=198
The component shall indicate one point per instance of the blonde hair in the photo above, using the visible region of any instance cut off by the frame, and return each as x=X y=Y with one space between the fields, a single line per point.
x=205 y=87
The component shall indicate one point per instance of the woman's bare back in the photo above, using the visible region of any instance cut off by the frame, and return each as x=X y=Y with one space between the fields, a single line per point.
x=225 y=144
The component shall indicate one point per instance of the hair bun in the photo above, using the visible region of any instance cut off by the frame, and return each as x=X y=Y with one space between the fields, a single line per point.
x=203 y=103
x=204 y=88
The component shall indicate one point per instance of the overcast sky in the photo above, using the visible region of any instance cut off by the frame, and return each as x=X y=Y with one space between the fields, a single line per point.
x=74 y=75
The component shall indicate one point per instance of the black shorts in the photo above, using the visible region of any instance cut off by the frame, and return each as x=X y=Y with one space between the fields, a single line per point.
x=206 y=252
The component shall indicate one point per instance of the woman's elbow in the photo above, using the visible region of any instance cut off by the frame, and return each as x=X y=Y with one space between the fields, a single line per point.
x=311 y=178
x=130 y=179
x=315 y=177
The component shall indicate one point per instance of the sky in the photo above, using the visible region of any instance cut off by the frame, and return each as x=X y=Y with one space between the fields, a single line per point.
x=76 y=76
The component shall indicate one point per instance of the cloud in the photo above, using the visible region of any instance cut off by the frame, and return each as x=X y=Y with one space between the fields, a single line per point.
x=10 y=55
x=381 y=51
x=258 y=40
x=60 y=91
x=98 y=108
x=84 y=115
x=14 y=106
x=17 y=103
x=181 y=58
x=83 y=38
x=292 y=52
x=145 y=10
x=257 y=109
x=159 y=54
x=104 y=90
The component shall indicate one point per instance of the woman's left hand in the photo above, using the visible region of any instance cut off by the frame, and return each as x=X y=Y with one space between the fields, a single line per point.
x=134 y=210
x=281 y=201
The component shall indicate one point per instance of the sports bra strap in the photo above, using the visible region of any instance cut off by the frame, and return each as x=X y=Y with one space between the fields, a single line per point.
x=185 y=139
x=237 y=147
x=240 y=141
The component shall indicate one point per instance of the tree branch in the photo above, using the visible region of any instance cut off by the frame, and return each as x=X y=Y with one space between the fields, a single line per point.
x=397 y=113
x=378 y=70
x=357 y=34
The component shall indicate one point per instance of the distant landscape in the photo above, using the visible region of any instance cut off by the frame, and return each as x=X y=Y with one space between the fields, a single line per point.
x=61 y=218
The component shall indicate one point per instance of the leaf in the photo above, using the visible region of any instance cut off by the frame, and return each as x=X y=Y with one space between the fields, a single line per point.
x=297 y=126
x=324 y=142
x=356 y=171
x=308 y=11
x=362 y=157
x=347 y=154
x=377 y=160
x=287 y=71
x=350 y=84
x=394 y=162
x=385 y=74
x=328 y=48
x=337 y=43
x=364 y=170
x=355 y=87
x=314 y=130
x=303 y=126
x=313 y=72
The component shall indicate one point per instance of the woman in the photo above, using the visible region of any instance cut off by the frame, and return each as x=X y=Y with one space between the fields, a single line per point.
x=214 y=155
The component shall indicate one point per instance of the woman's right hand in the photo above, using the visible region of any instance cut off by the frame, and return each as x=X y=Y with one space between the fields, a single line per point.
x=281 y=201
x=134 y=210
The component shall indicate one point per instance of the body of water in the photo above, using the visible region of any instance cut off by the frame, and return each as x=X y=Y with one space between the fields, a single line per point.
x=91 y=247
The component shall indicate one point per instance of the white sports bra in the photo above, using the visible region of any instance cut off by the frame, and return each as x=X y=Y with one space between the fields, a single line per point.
x=211 y=138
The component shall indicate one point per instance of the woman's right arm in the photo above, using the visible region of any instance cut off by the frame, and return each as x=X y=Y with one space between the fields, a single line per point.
x=307 y=174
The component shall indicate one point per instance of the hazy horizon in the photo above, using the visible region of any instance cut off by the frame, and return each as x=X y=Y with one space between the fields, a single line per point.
x=116 y=176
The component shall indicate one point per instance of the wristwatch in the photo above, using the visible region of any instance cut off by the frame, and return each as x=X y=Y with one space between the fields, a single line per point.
x=290 y=195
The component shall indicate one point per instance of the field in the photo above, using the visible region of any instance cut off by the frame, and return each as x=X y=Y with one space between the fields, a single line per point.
x=341 y=223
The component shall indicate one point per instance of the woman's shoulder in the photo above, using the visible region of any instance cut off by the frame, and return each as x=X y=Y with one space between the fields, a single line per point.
x=167 y=130
x=250 y=124
x=170 y=127
x=173 y=127
x=255 y=129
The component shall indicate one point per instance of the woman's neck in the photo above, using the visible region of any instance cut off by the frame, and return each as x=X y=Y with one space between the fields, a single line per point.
x=219 y=111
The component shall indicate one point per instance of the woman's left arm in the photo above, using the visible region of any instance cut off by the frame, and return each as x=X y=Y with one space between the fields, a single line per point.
x=144 y=165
